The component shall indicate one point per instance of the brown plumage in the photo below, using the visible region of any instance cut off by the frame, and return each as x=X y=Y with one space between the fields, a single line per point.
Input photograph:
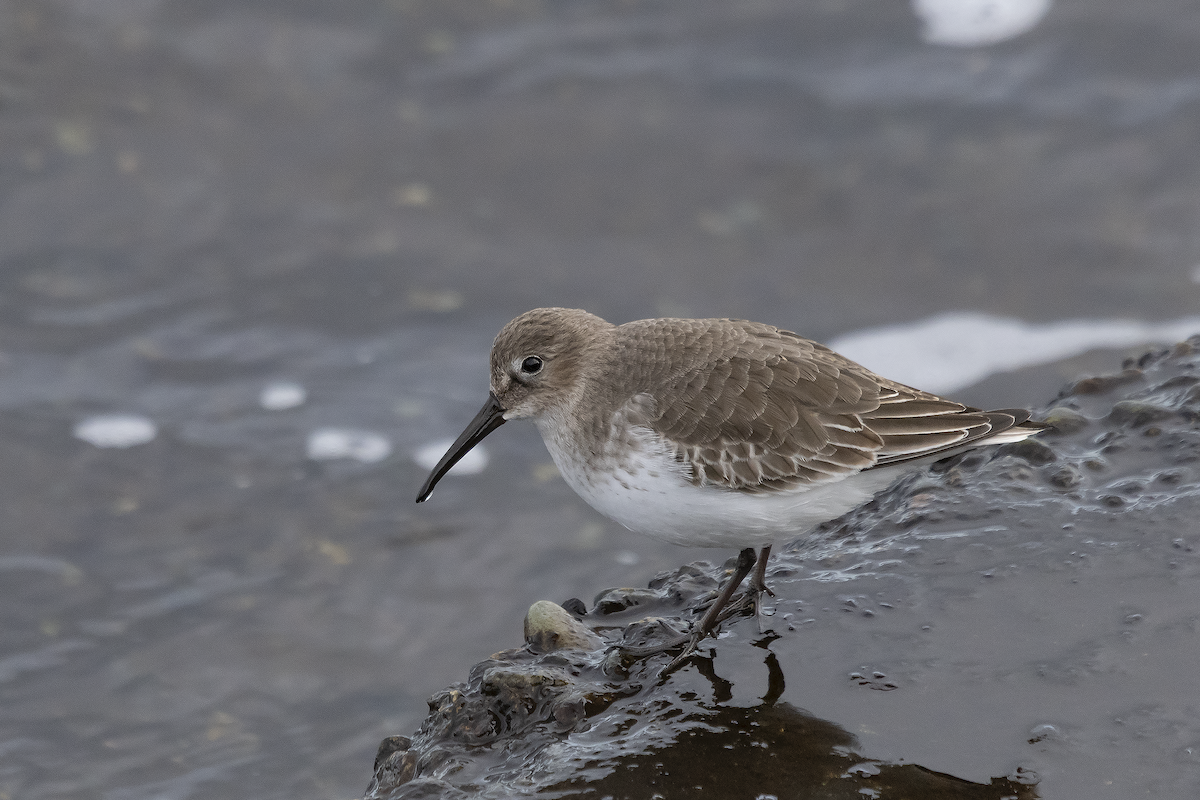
x=746 y=406
x=715 y=432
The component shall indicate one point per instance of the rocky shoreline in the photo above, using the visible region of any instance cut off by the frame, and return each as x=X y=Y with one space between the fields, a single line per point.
x=1006 y=538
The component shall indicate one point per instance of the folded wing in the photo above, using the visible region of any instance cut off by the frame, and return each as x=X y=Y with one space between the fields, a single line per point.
x=771 y=411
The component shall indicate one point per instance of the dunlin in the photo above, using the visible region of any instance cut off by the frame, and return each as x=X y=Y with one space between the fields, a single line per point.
x=715 y=432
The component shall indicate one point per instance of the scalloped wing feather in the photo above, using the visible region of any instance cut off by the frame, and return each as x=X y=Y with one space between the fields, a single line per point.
x=765 y=410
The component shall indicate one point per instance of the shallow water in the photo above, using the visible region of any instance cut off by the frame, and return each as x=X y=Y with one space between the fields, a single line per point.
x=202 y=201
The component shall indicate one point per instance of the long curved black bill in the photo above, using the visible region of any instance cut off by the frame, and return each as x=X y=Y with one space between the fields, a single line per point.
x=490 y=417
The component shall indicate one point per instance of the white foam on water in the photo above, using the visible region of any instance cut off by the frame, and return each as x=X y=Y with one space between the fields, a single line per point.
x=967 y=23
x=472 y=463
x=950 y=351
x=116 y=430
x=330 y=444
x=282 y=395
x=626 y=558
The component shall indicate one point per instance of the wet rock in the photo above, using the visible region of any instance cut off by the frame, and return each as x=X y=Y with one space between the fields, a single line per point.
x=394 y=765
x=1071 y=494
x=1102 y=384
x=666 y=594
x=550 y=627
x=1128 y=488
x=504 y=700
x=1186 y=381
x=687 y=581
x=1018 y=473
x=1137 y=414
x=614 y=601
x=575 y=607
x=1067 y=476
x=1171 y=477
x=391 y=745
x=1191 y=399
x=650 y=630
x=426 y=789
x=1035 y=452
x=1065 y=420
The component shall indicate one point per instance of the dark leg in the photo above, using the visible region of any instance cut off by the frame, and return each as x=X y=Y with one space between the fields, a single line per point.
x=758 y=581
x=709 y=621
x=711 y=617
x=757 y=588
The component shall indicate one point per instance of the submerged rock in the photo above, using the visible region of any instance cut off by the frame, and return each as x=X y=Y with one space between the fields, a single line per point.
x=968 y=580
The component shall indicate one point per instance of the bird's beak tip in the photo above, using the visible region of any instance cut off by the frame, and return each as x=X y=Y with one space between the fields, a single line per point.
x=490 y=417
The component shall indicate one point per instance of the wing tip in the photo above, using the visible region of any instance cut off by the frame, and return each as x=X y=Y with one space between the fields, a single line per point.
x=1005 y=426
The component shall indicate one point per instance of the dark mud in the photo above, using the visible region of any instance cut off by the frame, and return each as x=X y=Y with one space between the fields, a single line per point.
x=1016 y=622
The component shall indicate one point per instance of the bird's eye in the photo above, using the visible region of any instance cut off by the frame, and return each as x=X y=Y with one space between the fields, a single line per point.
x=531 y=365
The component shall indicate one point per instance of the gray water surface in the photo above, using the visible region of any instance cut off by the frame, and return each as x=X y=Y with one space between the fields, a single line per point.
x=201 y=199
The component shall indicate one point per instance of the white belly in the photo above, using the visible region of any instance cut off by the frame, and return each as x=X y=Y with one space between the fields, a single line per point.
x=647 y=491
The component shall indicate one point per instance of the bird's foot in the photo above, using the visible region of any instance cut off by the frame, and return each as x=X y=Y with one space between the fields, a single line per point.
x=752 y=600
x=753 y=596
x=720 y=610
x=758 y=586
x=638 y=652
x=688 y=649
